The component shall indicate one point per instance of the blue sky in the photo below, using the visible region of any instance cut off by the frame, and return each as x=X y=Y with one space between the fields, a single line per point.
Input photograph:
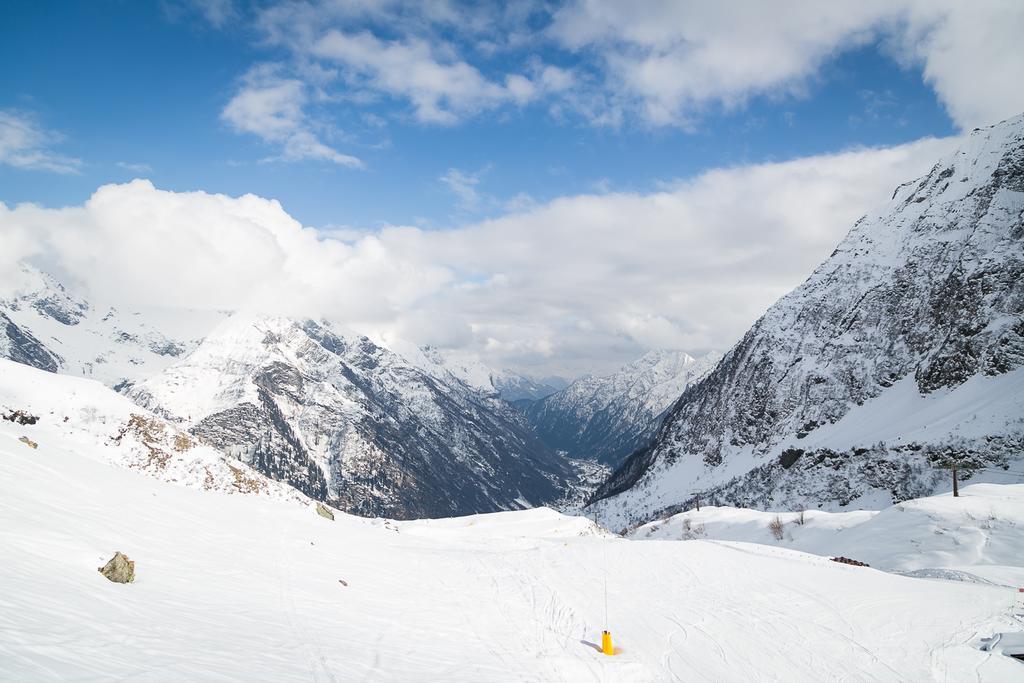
x=144 y=84
x=556 y=187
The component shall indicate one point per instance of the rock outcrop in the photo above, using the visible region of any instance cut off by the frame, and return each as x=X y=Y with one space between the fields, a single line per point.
x=324 y=511
x=119 y=569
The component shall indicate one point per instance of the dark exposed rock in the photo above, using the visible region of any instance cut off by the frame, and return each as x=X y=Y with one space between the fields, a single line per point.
x=61 y=308
x=167 y=348
x=20 y=417
x=789 y=456
x=20 y=346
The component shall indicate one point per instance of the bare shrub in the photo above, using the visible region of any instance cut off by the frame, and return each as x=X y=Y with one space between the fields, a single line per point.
x=182 y=442
x=800 y=518
x=775 y=526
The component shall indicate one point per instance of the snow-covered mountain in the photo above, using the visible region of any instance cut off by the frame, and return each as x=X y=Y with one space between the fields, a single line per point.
x=514 y=387
x=901 y=352
x=47 y=411
x=607 y=418
x=331 y=413
x=352 y=423
x=44 y=325
x=468 y=367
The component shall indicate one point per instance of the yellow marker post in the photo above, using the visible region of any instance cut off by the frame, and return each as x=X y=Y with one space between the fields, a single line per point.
x=606 y=643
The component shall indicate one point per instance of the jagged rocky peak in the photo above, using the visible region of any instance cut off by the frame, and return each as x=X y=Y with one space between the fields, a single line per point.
x=607 y=418
x=352 y=423
x=826 y=399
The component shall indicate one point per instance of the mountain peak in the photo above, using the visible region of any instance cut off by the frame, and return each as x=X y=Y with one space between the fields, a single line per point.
x=925 y=296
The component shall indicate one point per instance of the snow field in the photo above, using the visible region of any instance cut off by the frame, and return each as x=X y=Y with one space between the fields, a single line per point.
x=976 y=537
x=239 y=587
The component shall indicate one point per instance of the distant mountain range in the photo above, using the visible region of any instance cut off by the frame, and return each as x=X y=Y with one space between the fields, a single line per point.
x=607 y=418
x=901 y=354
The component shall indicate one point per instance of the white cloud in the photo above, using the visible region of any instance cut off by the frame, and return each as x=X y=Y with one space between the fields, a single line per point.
x=606 y=276
x=136 y=245
x=662 y=62
x=401 y=50
x=134 y=167
x=272 y=107
x=670 y=61
x=972 y=56
x=217 y=12
x=440 y=90
x=573 y=285
x=464 y=186
x=26 y=144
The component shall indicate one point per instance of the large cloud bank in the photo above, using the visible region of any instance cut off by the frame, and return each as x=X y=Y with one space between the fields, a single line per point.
x=575 y=285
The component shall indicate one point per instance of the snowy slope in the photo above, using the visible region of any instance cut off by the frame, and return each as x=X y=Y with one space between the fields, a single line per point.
x=87 y=339
x=978 y=536
x=349 y=422
x=243 y=588
x=899 y=353
x=607 y=418
x=90 y=419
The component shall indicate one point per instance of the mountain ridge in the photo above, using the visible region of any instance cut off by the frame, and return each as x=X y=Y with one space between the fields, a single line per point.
x=929 y=290
x=352 y=423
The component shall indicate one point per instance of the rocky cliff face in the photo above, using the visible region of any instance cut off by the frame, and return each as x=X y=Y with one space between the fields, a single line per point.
x=21 y=346
x=354 y=424
x=836 y=395
x=607 y=418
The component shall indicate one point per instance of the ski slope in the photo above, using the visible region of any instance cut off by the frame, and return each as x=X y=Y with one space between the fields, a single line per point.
x=235 y=587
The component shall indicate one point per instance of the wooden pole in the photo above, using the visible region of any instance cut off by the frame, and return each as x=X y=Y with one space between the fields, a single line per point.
x=956 y=491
